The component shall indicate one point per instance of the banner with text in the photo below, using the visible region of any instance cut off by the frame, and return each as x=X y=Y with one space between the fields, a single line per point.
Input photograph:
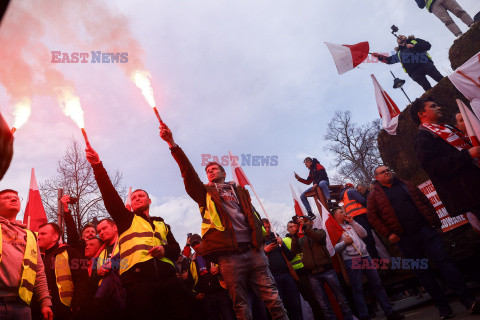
x=448 y=223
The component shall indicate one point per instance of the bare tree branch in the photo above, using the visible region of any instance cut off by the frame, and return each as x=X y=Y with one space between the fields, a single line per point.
x=354 y=148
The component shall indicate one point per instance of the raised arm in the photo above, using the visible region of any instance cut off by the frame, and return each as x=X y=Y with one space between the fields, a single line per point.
x=193 y=185
x=112 y=200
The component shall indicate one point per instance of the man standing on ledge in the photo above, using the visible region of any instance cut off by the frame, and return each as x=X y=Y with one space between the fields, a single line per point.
x=449 y=159
x=147 y=249
x=231 y=234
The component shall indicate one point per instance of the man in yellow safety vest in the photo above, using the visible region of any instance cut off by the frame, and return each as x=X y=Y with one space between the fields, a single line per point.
x=22 y=276
x=67 y=278
x=147 y=248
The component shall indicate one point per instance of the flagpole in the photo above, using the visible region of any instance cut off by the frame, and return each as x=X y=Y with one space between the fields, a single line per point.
x=265 y=212
x=28 y=222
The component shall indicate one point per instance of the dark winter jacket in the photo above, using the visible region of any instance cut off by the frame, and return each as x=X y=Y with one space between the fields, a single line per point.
x=317 y=173
x=421 y=4
x=217 y=242
x=276 y=261
x=453 y=174
x=411 y=58
x=73 y=238
x=313 y=244
x=79 y=278
x=382 y=217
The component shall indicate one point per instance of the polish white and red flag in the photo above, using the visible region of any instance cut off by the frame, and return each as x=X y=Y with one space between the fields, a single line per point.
x=348 y=57
x=471 y=123
x=128 y=203
x=296 y=204
x=238 y=174
x=34 y=215
x=388 y=110
x=467 y=80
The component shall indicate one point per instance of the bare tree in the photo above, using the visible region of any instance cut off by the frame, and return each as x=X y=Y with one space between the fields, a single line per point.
x=75 y=176
x=354 y=147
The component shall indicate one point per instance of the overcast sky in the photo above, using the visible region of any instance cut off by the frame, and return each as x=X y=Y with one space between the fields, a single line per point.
x=252 y=77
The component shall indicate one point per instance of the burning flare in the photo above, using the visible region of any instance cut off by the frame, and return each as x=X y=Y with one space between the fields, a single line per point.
x=142 y=81
x=71 y=106
x=21 y=113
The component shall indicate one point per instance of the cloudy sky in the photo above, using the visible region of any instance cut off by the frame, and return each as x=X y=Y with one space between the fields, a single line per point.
x=253 y=77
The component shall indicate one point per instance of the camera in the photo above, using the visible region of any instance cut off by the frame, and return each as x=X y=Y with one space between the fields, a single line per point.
x=72 y=200
x=394 y=29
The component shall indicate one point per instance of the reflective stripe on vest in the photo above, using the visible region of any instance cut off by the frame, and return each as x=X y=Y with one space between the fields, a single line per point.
x=135 y=242
x=296 y=262
x=211 y=218
x=428 y=4
x=400 y=56
x=29 y=266
x=63 y=276
x=193 y=271
x=102 y=257
x=352 y=207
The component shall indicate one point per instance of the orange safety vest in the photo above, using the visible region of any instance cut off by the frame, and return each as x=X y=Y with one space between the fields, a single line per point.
x=352 y=207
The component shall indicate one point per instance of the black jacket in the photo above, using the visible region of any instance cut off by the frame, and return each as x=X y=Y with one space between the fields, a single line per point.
x=453 y=174
x=276 y=261
x=411 y=58
x=317 y=173
x=79 y=278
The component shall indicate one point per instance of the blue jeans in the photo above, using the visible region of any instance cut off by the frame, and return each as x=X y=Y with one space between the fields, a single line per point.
x=287 y=288
x=329 y=277
x=356 y=281
x=324 y=186
x=427 y=242
x=14 y=310
x=250 y=270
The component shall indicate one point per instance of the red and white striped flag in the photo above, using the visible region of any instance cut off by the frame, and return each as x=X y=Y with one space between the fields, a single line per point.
x=128 y=203
x=471 y=123
x=348 y=57
x=388 y=110
x=238 y=175
x=296 y=204
x=34 y=215
x=467 y=80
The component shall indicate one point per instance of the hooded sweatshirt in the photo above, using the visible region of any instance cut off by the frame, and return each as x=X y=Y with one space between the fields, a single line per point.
x=356 y=232
x=14 y=241
x=231 y=205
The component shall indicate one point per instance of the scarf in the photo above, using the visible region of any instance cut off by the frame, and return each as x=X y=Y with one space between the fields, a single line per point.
x=454 y=137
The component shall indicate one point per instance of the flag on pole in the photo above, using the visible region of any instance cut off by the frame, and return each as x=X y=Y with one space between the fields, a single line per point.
x=296 y=204
x=128 y=203
x=238 y=175
x=348 y=57
x=467 y=80
x=321 y=223
x=471 y=123
x=34 y=212
x=388 y=110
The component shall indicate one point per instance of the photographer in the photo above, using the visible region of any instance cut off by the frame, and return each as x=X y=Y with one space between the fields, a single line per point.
x=412 y=54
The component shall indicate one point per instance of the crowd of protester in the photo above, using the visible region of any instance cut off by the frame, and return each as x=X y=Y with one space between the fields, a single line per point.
x=130 y=266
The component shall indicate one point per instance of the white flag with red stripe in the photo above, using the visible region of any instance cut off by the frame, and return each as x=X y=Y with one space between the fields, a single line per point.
x=128 y=203
x=388 y=110
x=296 y=204
x=239 y=176
x=319 y=223
x=467 y=80
x=471 y=123
x=348 y=57
x=34 y=211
